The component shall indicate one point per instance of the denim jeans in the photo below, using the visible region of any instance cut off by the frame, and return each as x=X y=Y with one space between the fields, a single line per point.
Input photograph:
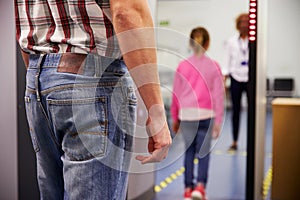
x=197 y=137
x=81 y=126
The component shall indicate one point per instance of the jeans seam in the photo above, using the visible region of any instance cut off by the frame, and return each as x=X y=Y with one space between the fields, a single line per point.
x=75 y=85
x=76 y=101
x=48 y=123
x=125 y=129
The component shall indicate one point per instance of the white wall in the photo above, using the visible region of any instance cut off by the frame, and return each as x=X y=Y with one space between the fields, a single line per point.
x=8 y=104
x=152 y=6
x=284 y=40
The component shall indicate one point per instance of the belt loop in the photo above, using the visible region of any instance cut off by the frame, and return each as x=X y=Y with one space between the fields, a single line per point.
x=37 y=76
x=97 y=66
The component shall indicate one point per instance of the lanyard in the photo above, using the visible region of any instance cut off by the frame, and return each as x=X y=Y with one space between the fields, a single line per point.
x=244 y=51
x=242 y=47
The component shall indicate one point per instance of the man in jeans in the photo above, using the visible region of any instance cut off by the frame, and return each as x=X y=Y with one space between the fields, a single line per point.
x=80 y=99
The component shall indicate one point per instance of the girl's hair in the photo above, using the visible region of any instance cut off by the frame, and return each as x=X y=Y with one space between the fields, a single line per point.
x=199 y=36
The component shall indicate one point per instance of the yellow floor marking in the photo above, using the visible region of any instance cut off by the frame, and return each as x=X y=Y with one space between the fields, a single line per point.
x=175 y=175
x=267 y=183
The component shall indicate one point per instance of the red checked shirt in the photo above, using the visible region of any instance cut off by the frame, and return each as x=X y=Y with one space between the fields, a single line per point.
x=60 y=26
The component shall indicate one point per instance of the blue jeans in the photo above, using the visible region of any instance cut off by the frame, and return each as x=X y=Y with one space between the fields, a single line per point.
x=81 y=126
x=197 y=137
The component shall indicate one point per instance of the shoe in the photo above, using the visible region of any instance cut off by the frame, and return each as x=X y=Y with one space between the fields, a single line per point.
x=233 y=147
x=198 y=193
x=188 y=194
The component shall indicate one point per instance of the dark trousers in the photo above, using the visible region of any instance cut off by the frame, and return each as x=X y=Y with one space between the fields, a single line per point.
x=236 y=91
x=197 y=137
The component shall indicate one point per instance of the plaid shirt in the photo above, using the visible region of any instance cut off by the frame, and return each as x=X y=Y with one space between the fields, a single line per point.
x=60 y=26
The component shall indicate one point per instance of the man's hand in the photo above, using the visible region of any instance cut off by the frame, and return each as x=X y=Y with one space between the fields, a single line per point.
x=158 y=147
x=159 y=136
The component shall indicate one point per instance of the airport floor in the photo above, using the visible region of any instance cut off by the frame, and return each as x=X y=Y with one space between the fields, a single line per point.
x=227 y=170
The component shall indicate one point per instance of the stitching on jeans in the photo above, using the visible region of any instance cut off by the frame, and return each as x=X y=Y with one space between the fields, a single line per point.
x=93 y=155
x=76 y=101
x=75 y=86
x=48 y=123
x=74 y=134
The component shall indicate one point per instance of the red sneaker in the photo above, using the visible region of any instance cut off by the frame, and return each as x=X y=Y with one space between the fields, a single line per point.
x=188 y=194
x=199 y=193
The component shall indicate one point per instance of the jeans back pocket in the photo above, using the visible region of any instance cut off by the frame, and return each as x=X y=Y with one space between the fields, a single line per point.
x=81 y=122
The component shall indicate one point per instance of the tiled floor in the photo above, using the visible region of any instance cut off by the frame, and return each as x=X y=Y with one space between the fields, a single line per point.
x=227 y=170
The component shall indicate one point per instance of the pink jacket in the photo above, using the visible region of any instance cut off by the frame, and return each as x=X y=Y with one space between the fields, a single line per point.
x=198 y=89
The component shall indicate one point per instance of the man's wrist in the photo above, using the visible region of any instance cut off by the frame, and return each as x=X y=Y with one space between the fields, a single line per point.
x=157 y=112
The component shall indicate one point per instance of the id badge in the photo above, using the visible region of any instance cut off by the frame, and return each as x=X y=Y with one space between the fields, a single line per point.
x=244 y=63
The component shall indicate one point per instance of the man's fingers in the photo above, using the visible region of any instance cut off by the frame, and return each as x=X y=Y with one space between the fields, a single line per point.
x=148 y=159
x=157 y=156
x=144 y=159
x=141 y=158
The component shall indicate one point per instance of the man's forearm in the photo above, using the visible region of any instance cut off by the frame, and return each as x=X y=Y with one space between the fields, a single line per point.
x=134 y=28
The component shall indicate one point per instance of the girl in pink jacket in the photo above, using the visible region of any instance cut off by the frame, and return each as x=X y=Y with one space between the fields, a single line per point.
x=197 y=109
